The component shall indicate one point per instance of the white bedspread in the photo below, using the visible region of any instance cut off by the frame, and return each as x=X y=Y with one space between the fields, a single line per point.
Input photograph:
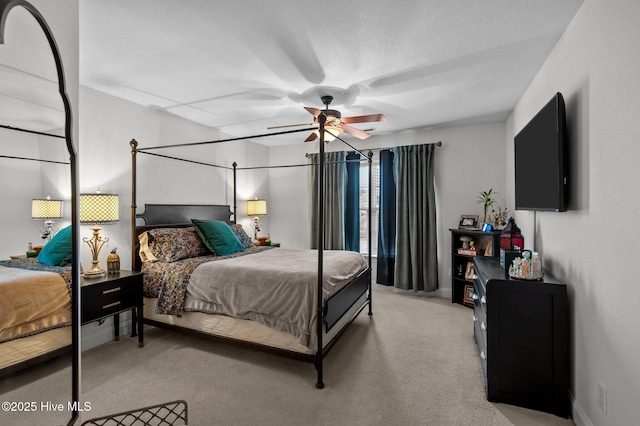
x=276 y=287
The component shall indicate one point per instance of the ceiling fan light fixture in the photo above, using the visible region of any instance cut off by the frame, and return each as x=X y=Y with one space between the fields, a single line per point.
x=330 y=133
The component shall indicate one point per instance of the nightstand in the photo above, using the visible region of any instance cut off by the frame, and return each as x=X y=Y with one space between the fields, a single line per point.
x=109 y=296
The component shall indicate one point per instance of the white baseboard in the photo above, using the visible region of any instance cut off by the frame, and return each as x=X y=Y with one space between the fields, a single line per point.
x=95 y=334
x=578 y=414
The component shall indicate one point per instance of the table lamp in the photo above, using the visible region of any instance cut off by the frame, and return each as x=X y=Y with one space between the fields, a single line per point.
x=47 y=210
x=97 y=209
x=256 y=208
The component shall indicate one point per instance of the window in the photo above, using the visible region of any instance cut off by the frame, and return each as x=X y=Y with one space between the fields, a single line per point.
x=364 y=205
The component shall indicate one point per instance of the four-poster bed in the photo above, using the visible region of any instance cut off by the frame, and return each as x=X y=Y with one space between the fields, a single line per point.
x=331 y=311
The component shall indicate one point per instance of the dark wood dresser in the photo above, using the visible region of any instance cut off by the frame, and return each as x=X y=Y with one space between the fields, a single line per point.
x=521 y=329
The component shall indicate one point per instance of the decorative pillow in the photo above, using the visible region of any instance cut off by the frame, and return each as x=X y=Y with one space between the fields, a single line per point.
x=58 y=251
x=244 y=239
x=172 y=244
x=145 y=252
x=218 y=236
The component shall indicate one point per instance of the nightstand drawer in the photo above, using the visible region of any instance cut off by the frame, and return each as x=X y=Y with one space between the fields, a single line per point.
x=110 y=296
x=107 y=300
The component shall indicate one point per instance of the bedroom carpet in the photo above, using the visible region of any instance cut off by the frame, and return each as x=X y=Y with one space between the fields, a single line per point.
x=413 y=363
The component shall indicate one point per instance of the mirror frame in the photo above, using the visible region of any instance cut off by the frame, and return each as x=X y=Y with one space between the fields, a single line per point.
x=5 y=8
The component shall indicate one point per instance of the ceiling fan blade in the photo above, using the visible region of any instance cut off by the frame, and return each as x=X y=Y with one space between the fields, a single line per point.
x=360 y=134
x=312 y=137
x=292 y=125
x=313 y=111
x=364 y=118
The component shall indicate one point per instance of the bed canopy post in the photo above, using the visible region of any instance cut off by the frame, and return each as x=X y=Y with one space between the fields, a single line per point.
x=369 y=232
x=235 y=192
x=134 y=151
x=319 y=310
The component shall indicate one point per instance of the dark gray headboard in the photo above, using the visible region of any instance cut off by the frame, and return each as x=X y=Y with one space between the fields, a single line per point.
x=175 y=216
x=181 y=214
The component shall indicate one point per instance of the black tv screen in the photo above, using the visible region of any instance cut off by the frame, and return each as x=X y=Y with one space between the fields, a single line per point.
x=541 y=160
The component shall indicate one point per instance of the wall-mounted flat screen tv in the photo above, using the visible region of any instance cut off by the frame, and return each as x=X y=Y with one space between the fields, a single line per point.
x=541 y=160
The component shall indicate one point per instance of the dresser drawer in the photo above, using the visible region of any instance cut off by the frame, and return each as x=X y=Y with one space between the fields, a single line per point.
x=480 y=309
x=480 y=338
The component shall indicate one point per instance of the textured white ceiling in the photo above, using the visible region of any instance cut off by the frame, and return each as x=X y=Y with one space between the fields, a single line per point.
x=241 y=66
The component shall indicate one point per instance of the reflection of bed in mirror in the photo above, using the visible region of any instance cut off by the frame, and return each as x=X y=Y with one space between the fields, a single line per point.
x=35 y=292
x=35 y=313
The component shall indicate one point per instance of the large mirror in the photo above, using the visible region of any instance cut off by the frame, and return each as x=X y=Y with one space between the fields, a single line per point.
x=39 y=328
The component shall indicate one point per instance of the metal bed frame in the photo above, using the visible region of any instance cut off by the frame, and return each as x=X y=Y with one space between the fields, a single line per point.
x=335 y=307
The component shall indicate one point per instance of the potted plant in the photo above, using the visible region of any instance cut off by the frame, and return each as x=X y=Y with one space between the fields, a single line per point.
x=486 y=199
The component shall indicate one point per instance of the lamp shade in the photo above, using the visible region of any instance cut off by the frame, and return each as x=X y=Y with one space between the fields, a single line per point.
x=47 y=209
x=99 y=209
x=256 y=207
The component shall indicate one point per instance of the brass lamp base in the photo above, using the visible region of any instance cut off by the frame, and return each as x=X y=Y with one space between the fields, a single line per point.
x=95 y=273
x=95 y=244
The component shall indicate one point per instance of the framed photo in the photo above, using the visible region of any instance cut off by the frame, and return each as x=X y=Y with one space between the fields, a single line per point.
x=468 y=295
x=468 y=221
x=470 y=271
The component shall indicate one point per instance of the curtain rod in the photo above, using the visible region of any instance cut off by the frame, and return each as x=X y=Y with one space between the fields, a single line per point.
x=300 y=165
x=18 y=129
x=439 y=143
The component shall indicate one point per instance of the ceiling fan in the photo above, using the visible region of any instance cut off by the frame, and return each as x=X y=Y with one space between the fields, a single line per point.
x=335 y=124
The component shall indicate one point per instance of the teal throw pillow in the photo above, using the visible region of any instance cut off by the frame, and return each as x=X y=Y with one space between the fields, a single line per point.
x=217 y=236
x=57 y=252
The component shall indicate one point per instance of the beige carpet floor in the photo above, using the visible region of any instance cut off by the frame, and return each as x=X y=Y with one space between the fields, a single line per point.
x=414 y=362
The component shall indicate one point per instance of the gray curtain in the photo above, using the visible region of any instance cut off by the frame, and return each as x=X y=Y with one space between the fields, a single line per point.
x=335 y=181
x=416 y=266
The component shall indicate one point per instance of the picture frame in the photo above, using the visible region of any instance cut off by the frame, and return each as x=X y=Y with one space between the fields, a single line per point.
x=467 y=299
x=468 y=221
x=468 y=275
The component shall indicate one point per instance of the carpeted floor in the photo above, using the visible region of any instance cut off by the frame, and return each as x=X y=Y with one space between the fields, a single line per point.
x=413 y=363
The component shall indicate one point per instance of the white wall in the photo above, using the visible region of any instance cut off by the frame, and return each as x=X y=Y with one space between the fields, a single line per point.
x=470 y=160
x=591 y=247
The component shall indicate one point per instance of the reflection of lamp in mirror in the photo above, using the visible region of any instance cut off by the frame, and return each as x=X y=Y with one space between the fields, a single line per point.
x=47 y=210
x=256 y=208
x=97 y=209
